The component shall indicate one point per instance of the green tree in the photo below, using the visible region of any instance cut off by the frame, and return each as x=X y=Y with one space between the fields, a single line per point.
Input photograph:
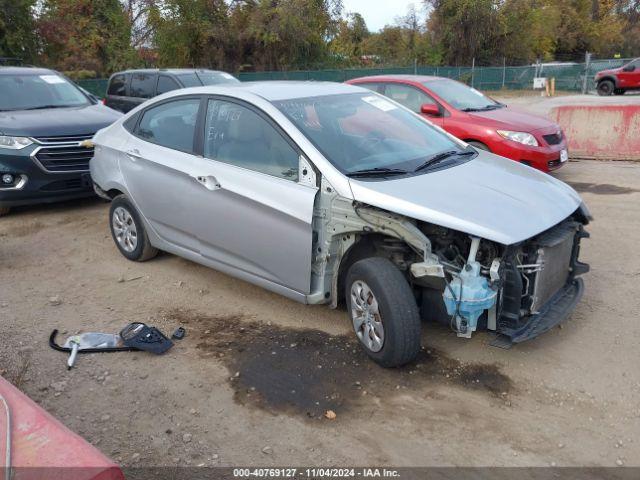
x=17 y=29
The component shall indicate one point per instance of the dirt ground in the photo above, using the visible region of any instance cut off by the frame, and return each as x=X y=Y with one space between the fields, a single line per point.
x=251 y=381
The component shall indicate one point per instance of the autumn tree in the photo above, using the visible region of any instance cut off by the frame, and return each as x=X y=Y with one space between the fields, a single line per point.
x=93 y=35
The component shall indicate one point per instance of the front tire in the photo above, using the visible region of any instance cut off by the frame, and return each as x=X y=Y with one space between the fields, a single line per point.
x=605 y=88
x=383 y=311
x=128 y=232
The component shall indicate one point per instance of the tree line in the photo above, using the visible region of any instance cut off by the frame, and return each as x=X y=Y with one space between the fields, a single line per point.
x=96 y=37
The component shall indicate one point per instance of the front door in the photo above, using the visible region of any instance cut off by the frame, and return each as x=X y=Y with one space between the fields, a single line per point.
x=413 y=98
x=252 y=214
x=629 y=77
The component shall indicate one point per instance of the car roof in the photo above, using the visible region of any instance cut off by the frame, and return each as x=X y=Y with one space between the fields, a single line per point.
x=171 y=71
x=274 y=91
x=409 y=78
x=26 y=71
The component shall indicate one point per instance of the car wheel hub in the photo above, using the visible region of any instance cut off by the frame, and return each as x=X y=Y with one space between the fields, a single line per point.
x=125 y=229
x=365 y=313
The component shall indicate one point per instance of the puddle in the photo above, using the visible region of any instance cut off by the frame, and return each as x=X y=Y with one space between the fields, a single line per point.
x=308 y=372
x=602 y=188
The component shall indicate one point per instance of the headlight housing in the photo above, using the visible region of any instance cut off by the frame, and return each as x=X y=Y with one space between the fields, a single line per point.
x=14 y=143
x=519 y=137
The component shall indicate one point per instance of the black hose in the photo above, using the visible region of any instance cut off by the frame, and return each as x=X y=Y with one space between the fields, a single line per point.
x=55 y=346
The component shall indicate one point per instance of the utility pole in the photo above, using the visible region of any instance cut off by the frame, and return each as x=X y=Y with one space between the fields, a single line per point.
x=473 y=70
x=585 y=79
x=504 y=71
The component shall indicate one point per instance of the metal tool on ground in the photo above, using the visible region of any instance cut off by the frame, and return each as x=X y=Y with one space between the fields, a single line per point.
x=135 y=336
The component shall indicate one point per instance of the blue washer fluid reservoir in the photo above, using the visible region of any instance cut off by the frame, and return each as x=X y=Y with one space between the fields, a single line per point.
x=472 y=293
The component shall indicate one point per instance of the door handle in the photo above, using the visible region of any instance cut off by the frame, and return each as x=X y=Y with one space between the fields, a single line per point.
x=134 y=154
x=209 y=182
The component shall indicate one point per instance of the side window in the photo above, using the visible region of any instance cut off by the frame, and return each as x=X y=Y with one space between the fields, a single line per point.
x=166 y=84
x=118 y=85
x=410 y=97
x=171 y=124
x=237 y=135
x=143 y=85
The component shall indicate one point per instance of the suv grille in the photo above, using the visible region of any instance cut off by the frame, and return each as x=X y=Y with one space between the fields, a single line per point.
x=65 y=139
x=553 y=139
x=64 y=154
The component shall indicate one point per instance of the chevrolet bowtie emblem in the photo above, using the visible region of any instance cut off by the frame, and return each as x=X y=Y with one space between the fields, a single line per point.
x=87 y=144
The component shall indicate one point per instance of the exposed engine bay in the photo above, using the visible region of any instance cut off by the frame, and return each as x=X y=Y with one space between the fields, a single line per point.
x=518 y=291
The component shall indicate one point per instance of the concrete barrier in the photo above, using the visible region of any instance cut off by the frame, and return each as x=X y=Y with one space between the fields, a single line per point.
x=601 y=131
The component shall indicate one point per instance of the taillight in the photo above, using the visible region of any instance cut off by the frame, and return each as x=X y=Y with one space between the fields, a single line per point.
x=104 y=101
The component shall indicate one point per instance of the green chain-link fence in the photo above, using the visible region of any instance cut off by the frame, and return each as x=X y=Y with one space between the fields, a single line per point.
x=568 y=76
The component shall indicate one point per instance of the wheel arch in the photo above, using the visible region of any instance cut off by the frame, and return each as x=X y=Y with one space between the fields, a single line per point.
x=611 y=78
x=366 y=246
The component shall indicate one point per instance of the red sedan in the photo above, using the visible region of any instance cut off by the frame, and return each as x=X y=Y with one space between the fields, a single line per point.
x=477 y=119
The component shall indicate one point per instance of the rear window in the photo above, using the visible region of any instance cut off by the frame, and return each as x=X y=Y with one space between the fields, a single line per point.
x=190 y=80
x=216 y=78
x=143 y=85
x=118 y=85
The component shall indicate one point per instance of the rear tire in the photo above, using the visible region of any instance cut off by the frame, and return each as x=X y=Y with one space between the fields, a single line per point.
x=605 y=88
x=4 y=211
x=479 y=145
x=128 y=232
x=378 y=295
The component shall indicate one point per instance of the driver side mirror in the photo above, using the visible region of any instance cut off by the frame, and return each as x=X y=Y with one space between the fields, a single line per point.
x=629 y=68
x=430 y=109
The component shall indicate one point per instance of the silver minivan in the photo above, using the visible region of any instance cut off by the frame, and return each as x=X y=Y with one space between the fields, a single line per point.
x=327 y=192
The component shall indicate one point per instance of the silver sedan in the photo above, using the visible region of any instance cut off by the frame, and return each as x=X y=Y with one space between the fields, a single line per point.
x=327 y=192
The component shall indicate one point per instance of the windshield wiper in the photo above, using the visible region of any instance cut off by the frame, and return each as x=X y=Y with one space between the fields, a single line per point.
x=42 y=107
x=439 y=157
x=378 y=171
x=483 y=109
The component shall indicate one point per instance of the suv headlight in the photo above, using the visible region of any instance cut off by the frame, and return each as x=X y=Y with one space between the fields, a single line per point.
x=520 y=137
x=14 y=143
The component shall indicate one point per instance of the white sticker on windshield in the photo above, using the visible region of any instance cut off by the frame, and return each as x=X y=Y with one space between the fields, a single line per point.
x=380 y=103
x=53 y=79
x=227 y=75
x=480 y=94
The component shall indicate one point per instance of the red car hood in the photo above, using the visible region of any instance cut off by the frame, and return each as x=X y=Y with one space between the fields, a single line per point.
x=510 y=118
x=611 y=71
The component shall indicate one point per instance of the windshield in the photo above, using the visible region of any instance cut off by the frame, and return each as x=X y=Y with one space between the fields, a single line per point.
x=460 y=96
x=28 y=92
x=365 y=132
x=216 y=78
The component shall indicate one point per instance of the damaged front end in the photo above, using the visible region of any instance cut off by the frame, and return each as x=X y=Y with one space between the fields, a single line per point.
x=518 y=291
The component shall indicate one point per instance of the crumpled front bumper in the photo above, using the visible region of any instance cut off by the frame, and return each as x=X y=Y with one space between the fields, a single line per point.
x=553 y=313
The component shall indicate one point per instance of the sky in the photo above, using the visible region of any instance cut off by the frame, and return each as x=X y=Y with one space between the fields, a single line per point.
x=378 y=13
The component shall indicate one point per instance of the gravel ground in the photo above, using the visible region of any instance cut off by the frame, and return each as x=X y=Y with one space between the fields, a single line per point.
x=253 y=380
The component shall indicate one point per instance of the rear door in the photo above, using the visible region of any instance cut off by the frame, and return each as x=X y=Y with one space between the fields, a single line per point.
x=158 y=164
x=252 y=213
